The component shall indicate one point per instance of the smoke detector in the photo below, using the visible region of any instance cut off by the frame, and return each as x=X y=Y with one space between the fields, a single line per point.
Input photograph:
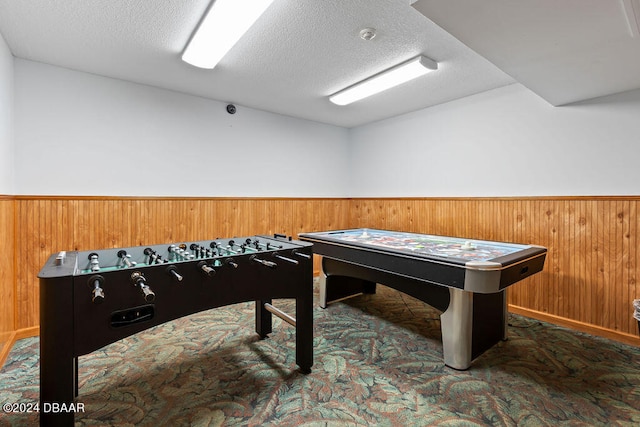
x=367 y=33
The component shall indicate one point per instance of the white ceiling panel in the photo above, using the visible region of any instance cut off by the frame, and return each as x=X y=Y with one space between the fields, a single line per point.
x=300 y=52
x=563 y=50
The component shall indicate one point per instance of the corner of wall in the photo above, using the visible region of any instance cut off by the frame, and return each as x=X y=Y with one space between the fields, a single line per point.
x=7 y=203
x=6 y=119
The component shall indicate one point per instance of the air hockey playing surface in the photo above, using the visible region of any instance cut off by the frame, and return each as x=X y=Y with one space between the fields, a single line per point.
x=456 y=250
x=472 y=265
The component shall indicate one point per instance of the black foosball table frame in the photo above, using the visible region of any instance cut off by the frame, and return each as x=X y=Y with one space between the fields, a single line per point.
x=89 y=299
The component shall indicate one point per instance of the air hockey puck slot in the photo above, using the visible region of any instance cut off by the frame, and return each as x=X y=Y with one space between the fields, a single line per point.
x=132 y=315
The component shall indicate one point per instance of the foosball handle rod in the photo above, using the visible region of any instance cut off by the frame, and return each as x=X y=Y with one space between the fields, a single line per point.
x=264 y=262
x=231 y=262
x=300 y=254
x=284 y=258
x=96 y=290
x=206 y=269
x=139 y=280
x=173 y=271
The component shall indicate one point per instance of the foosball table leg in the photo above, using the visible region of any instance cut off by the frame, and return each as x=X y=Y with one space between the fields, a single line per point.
x=263 y=319
x=304 y=332
x=75 y=374
x=58 y=364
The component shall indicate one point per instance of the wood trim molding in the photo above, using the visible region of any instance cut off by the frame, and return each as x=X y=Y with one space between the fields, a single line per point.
x=10 y=338
x=503 y=198
x=7 y=339
x=577 y=326
x=171 y=198
x=33 y=331
x=356 y=198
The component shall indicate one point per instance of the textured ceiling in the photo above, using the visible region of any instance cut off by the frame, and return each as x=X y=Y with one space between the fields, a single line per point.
x=299 y=52
x=565 y=51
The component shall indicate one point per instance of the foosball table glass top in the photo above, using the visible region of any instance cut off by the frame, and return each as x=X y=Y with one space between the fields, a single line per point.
x=452 y=248
x=215 y=252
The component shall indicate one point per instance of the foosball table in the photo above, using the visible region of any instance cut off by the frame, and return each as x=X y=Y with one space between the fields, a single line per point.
x=89 y=299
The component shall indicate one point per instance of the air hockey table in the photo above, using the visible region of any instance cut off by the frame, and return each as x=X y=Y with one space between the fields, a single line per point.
x=464 y=279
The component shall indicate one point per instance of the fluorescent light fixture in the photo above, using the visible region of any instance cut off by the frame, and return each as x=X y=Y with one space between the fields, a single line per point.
x=409 y=70
x=220 y=29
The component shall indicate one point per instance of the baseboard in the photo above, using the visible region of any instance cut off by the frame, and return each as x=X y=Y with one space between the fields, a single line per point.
x=33 y=331
x=10 y=338
x=578 y=326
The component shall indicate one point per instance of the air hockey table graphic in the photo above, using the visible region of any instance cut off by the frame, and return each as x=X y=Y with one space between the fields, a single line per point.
x=465 y=279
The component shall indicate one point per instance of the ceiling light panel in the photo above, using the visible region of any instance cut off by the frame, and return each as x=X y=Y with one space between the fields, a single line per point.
x=387 y=79
x=223 y=25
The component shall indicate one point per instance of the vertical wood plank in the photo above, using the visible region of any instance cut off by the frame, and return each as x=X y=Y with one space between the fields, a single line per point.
x=7 y=270
x=590 y=275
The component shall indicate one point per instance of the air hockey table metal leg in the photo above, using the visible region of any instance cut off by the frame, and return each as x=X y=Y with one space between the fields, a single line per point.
x=472 y=324
x=322 y=281
x=334 y=288
x=457 y=327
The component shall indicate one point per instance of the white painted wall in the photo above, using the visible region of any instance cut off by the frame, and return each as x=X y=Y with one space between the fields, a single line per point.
x=505 y=142
x=82 y=134
x=6 y=118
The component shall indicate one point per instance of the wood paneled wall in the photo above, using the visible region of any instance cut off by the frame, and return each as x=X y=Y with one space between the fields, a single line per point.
x=7 y=278
x=589 y=280
x=7 y=300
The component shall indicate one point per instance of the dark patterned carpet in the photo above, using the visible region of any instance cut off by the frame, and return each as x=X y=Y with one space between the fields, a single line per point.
x=378 y=361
